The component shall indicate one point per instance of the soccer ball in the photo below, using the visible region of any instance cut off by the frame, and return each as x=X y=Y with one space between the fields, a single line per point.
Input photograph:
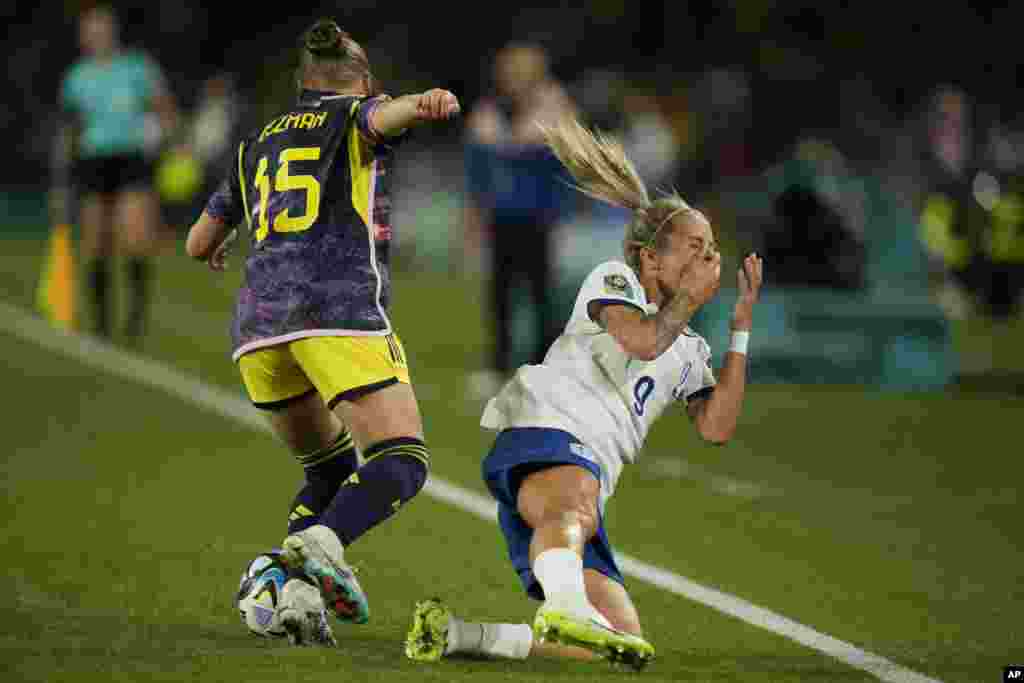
x=275 y=602
x=259 y=594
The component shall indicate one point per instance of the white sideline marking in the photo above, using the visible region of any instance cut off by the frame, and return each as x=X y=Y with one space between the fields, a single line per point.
x=679 y=468
x=129 y=366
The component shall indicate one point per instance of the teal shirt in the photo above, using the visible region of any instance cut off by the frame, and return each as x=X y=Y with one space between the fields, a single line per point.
x=110 y=101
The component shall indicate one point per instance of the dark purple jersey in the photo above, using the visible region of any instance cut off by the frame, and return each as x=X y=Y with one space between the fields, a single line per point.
x=312 y=186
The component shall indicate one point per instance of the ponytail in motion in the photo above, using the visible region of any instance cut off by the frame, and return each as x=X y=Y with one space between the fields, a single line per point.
x=601 y=169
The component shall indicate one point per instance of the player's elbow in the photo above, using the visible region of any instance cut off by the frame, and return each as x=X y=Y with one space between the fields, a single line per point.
x=197 y=245
x=714 y=432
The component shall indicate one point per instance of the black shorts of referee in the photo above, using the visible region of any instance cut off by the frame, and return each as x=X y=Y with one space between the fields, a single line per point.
x=113 y=174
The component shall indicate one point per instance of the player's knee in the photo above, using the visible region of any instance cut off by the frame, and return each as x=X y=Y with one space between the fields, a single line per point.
x=585 y=515
x=560 y=495
x=567 y=513
x=405 y=460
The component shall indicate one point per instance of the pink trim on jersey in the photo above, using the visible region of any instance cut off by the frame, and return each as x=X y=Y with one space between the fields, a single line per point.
x=373 y=199
x=303 y=334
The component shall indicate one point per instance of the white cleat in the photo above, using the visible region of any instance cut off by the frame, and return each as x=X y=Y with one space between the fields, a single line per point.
x=302 y=613
x=317 y=553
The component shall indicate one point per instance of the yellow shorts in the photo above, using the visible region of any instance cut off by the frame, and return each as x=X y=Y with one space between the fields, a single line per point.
x=339 y=368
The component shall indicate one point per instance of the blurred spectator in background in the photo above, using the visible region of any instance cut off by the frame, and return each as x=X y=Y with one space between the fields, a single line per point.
x=817 y=237
x=105 y=97
x=599 y=96
x=971 y=215
x=948 y=211
x=190 y=171
x=598 y=93
x=611 y=103
x=1004 y=199
x=618 y=106
x=215 y=124
x=725 y=118
x=517 y=192
x=649 y=139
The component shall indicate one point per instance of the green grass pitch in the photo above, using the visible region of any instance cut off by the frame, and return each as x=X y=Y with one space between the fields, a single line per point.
x=889 y=521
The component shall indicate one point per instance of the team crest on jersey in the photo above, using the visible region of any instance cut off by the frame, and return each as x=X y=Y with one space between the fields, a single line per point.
x=617 y=284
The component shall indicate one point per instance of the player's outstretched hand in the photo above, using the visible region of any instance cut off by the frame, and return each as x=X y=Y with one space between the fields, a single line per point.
x=219 y=258
x=748 y=280
x=437 y=105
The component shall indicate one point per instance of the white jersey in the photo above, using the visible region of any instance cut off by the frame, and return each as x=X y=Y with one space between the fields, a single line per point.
x=590 y=387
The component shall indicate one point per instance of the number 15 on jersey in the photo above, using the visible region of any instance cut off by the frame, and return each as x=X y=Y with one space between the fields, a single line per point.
x=285 y=181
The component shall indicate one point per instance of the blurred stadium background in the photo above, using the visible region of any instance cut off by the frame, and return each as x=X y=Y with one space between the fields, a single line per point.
x=872 y=492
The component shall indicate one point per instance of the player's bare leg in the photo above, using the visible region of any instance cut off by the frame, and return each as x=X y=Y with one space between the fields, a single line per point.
x=388 y=413
x=97 y=248
x=321 y=443
x=612 y=600
x=305 y=424
x=388 y=429
x=560 y=504
x=324 y=447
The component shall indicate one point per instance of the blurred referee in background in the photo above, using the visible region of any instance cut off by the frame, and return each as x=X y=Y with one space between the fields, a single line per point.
x=101 y=149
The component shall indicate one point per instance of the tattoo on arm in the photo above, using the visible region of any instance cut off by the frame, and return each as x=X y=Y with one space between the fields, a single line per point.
x=671 y=320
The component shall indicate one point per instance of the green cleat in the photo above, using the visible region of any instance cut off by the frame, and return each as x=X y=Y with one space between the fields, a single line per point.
x=559 y=626
x=341 y=592
x=428 y=637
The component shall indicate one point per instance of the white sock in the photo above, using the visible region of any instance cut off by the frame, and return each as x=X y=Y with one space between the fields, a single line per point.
x=328 y=540
x=508 y=641
x=560 y=572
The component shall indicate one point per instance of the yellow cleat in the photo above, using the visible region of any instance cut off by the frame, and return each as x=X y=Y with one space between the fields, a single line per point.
x=428 y=637
x=559 y=626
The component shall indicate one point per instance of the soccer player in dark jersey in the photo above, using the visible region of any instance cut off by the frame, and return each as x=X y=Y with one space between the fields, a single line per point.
x=311 y=334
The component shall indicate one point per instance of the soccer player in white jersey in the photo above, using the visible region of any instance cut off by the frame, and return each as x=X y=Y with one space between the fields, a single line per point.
x=567 y=427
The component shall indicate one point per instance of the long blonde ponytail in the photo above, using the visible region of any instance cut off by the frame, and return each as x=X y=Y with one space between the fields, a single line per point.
x=601 y=169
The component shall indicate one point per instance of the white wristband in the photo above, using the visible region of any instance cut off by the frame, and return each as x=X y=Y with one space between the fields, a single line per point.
x=740 y=338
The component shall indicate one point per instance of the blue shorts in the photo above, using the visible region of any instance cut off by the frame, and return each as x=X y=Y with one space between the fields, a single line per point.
x=516 y=454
